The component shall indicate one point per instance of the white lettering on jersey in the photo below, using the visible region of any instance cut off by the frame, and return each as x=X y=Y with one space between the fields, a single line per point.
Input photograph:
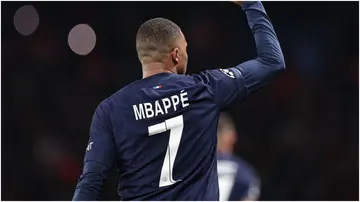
x=167 y=105
x=161 y=107
x=173 y=98
x=139 y=112
x=148 y=110
x=158 y=108
x=183 y=97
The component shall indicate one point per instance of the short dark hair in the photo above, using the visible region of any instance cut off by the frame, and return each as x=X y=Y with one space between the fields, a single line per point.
x=155 y=38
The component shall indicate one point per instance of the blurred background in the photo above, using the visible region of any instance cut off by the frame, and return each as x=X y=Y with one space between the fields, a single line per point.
x=60 y=59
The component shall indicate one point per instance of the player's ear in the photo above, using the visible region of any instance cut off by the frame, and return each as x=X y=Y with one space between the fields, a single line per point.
x=175 y=56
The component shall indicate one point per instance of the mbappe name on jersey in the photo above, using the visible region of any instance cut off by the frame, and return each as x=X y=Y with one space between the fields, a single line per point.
x=160 y=107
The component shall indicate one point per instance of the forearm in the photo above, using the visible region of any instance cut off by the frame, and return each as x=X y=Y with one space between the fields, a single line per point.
x=270 y=59
x=91 y=182
x=267 y=44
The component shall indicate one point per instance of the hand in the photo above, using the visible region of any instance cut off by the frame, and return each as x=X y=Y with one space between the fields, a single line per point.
x=237 y=2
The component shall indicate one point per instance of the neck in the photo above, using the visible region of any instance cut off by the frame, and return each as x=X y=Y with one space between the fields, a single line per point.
x=225 y=149
x=156 y=68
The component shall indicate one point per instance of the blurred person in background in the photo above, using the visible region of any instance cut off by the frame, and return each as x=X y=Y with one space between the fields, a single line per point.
x=238 y=181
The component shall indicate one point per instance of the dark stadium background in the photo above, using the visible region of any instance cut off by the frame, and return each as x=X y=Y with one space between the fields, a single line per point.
x=300 y=132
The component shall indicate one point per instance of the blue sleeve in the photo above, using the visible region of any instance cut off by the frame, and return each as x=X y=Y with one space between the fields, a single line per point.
x=228 y=86
x=99 y=157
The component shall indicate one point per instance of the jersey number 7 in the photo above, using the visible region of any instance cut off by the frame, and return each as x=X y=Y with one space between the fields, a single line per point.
x=175 y=125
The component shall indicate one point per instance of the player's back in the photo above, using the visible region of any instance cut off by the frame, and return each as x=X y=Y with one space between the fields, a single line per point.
x=164 y=129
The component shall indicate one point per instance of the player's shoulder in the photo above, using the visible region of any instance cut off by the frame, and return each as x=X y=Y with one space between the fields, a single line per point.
x=245 y=167
x=239 y=160
x=123 y=92
x=214 y=74
x=169 y=79
x=109 y=101
x=137 y=85
x=240 y=163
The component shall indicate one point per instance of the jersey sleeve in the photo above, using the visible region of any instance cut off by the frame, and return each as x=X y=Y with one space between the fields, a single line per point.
x=99 y=157
x=225 y=86
x=101 y=146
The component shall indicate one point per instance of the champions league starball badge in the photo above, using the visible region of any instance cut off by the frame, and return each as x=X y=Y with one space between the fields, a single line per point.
x=228 y=73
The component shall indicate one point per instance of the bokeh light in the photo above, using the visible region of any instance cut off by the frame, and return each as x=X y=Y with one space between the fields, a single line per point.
x=26 y=20
x=82 y=39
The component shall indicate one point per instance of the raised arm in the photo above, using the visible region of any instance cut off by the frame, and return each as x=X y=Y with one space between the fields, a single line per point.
x=227 y=86
x=270 y=59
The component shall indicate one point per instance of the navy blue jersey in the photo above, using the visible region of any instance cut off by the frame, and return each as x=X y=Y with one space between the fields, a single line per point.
x=161 y=132
x=237 y=179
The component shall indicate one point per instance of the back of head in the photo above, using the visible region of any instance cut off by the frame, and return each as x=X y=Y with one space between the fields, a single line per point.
x=156 y=38
x=225 y=124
